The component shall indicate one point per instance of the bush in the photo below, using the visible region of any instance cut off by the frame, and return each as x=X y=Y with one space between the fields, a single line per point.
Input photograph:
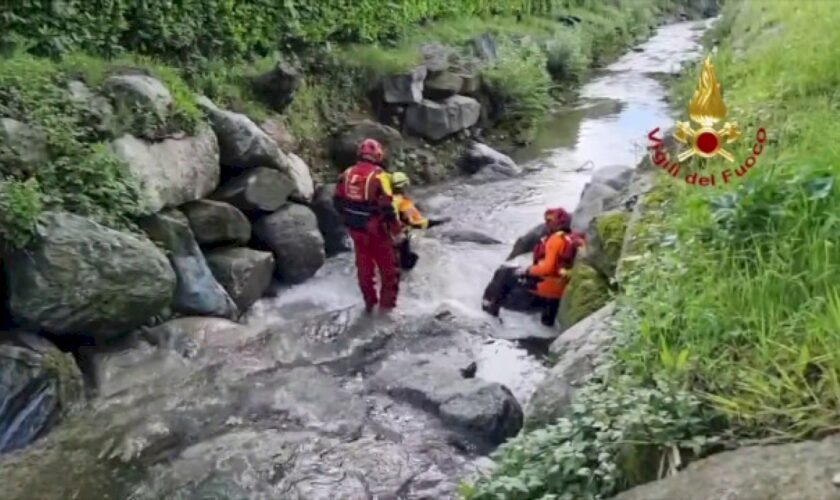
x=566 y=60
x=20 y=207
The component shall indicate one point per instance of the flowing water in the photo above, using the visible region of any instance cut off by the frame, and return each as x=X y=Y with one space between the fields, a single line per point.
x=285 y=409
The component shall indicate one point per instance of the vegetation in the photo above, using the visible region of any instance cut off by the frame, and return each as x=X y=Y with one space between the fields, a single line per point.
x=730 y=294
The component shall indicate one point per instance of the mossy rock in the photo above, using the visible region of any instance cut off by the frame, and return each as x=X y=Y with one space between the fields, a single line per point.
x=605 y=239
x=587 y=292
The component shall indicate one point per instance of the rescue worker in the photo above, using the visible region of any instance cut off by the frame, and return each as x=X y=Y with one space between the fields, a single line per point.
x=410 y=218
x=364 y=198
x=547 y=278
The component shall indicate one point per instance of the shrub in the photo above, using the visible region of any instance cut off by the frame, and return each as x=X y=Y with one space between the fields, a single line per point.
x=20 y=207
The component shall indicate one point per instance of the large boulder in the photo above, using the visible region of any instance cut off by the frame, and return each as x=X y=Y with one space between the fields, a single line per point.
x=38 y=385
x=433 y=381
x=595 y=199
x=139 y=92
x=278 y=131
x=588 y=290
x=604 y=241
x=172 y=171
x=438 y=57
x=485 y=163
x=303 y=186
x=256 y=191
x=292 y=234
x=579 y=351
x=22 y=148
x=436 y=120
x=617 y=177
x=526 y=243
x=197 y=292
x=277 y=87
x=336 y=238
x=96 y=108
x=346 y=142
x=484 y=47
x=404 y=88
x=242 y=143
x=805 y=470
x=83 y=278
x=216 y=223
x=443 y=84
x=245 y=273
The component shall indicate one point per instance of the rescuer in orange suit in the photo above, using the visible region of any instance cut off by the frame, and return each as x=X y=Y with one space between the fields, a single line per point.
x=410 y=218
x=364 y=198
x=547 y=278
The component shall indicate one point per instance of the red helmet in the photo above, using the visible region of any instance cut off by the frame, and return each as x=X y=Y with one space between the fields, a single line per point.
x=557 y=219
x=370 y=150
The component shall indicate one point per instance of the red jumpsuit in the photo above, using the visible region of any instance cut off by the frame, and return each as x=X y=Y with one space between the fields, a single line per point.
x=363 y=197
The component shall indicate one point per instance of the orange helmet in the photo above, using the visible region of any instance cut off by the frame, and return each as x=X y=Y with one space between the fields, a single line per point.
x=370 y=150
x=557 y=219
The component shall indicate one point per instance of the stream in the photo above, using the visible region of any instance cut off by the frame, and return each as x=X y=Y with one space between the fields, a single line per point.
x=309 y=399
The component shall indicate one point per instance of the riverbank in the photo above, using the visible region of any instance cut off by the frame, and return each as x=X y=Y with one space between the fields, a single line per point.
x=727 y=317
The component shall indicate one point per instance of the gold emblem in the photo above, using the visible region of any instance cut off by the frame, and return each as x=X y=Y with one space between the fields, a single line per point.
x=706 y=109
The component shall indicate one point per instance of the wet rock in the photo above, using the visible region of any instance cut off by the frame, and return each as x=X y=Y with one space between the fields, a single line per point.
x=22 y=148
x=431 y=381
x=217 y=223
x=336 y=239
x=346 y=142
x=484 y=47
x=292 y=234
x=436 y=120
x=486 y=164
x=130 y=363
x=617 y=177
x=798 y=470
x=191 y=336
x=526 y=243
x=604 y=241
x=587 y=291
x=469 y=236
x=97 y=108
x=277 y=87
x=172 y=171
x=303 y=187
x=139 y=92
x=242 y=143
x=406 y=88
x=197 y=292
x=38 y=385
x=245 y=273
x=579 y=351
x=280 y=133
x=441 y=85
x=595 y=199
x=83 y=278
x=256 y=191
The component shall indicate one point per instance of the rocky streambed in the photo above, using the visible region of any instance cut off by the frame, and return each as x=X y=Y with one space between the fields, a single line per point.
x=305 y=397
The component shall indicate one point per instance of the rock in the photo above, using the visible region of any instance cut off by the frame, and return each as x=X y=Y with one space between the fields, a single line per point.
x=22 y=148
x=139 y=92
x=96 y=107
x=191 y=336
x=617 y=177
x=303 y=186
x=216 y=223
x=277 y=87
x=346 y=142
x=469 y=236
x=406 y=88
x=595 y=199
x=433 y=120
x=485 y=163
x=242 y=144
x=470 y=84
x=527 y=242
x=433 y=382
x=130 y=363
x=441 y=85
x=83 y=278
x=292 y=234
x=437 y=57
x=173 y=171
x=197 y=292
x=798 y=470
x=586 y=292
x=245 y=273
x=579 y=351
x=256 y=191
x=336 y=239
x=484 y=47
x=280 y=133
x=604 y=241
x=38 y=385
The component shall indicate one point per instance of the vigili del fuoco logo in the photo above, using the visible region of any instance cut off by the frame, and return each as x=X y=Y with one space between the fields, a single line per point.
x=706 y=142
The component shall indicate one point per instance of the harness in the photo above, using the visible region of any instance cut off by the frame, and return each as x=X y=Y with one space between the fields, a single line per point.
x=359 y=204
x=567 y=258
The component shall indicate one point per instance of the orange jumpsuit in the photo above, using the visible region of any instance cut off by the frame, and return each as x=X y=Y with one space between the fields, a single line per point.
x=554 y=254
